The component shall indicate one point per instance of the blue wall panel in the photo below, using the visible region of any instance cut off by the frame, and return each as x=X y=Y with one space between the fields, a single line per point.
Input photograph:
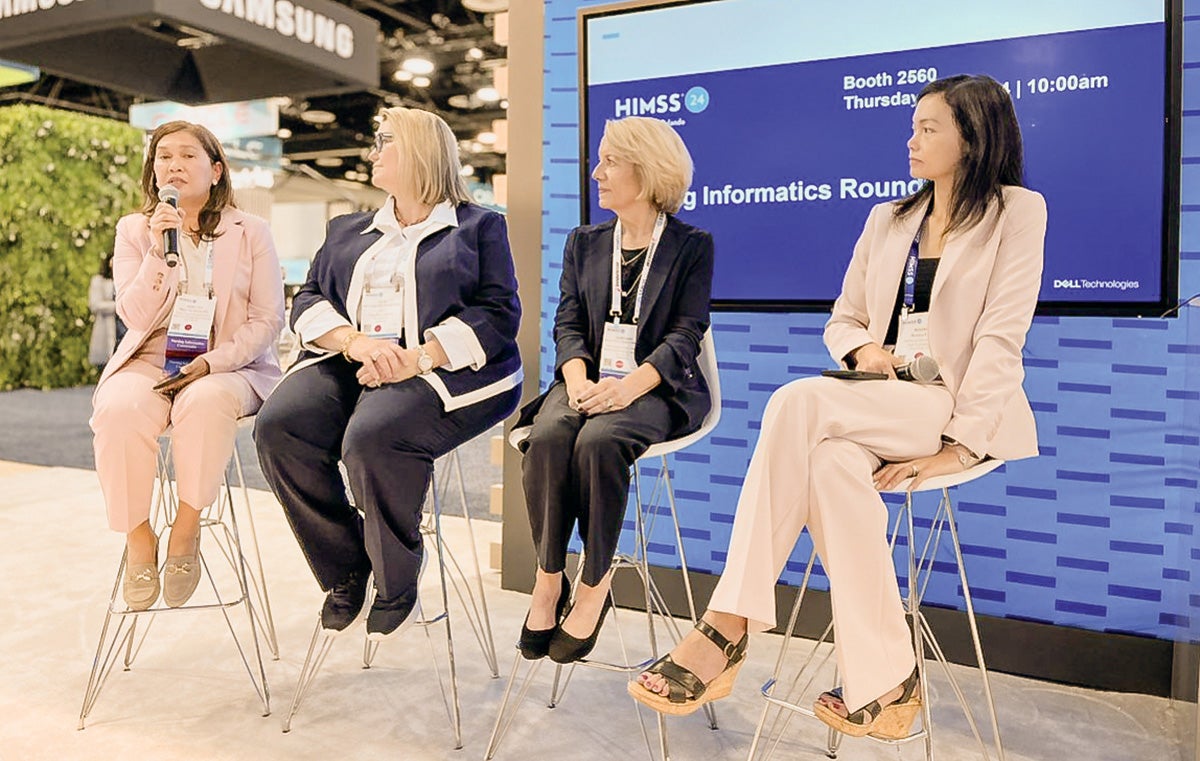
x=1099 y=532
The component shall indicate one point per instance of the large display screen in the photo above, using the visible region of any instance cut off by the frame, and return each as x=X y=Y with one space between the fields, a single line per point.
x=797 y=115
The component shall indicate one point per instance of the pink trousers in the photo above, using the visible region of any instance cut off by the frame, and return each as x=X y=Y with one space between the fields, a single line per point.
x=821 y=441
x=128 y=416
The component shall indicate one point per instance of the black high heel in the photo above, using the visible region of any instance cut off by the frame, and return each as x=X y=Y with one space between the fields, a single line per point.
x=535 y=643
x=567 y=649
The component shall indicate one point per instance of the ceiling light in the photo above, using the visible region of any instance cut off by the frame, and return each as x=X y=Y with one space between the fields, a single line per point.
x=402 y=75
x=467 y=170
x=474 y=54
x=351 y=174
x=476 y=147
x=328 y=161
x=504 y=104
x=488 y=94
x=421 y=81
x=317 y=116
x=283 y=133
x=459 y=101
x=487 y=138
x=418 y=65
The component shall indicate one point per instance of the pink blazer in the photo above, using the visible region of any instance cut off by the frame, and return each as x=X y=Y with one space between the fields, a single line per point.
x=980 y=309
x=247 y=281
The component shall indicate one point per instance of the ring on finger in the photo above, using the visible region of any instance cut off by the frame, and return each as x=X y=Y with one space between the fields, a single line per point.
x=608 y=404
x=915 y=472
x=375 y=356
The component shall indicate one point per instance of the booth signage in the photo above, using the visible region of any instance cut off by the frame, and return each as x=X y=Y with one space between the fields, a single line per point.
x=196 y=51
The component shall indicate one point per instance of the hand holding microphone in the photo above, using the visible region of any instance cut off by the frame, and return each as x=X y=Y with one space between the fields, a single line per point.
x=168 y=194
x=922 y=369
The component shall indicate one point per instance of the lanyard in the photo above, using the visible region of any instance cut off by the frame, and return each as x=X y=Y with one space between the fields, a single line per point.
x=208 y=273
x=615 y=305
x=910 y=267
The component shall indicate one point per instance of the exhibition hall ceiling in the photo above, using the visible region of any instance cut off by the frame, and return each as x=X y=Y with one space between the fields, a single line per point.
x=451 y=55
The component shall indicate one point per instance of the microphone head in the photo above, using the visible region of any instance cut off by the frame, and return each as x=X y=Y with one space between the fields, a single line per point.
x=924 y=369
x=170 y=194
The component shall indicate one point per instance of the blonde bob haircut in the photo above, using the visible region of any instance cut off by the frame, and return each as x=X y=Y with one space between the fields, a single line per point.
x=429 y=152
x=660 y=160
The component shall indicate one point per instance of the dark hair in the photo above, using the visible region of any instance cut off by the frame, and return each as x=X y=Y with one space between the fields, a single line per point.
x=219 y=196
x=992 y=152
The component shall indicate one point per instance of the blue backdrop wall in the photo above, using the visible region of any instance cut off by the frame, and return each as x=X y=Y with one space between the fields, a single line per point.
x=1099 y=532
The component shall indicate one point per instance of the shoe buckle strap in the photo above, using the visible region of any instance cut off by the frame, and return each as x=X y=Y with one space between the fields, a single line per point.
x=729 y=649
x=143 y=575
x=173 y=568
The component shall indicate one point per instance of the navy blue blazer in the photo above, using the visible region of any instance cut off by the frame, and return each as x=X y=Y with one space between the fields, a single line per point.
x=464 y=272
x=672 y=323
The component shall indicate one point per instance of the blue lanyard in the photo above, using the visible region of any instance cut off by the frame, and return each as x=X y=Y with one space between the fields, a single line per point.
x=910 y=267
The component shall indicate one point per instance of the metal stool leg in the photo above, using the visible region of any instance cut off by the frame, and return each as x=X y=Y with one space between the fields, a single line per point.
x=256 y=575
x=125 y=639
x=471 y=595
x=919 y=568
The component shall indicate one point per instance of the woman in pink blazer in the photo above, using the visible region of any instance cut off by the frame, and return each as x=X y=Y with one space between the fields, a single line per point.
x=227 y=268
x=952 y=271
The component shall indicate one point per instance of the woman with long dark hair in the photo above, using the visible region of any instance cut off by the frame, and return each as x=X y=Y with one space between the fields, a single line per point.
x=953 y=272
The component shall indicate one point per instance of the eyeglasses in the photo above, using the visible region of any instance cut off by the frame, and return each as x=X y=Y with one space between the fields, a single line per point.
x=382 y=139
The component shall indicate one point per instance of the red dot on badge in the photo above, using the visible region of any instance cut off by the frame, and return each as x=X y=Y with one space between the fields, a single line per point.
x=187 y=327
x=378 y=328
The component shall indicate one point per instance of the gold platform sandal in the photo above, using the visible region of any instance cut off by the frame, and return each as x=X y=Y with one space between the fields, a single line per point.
x=687 y=692
x=890 y=722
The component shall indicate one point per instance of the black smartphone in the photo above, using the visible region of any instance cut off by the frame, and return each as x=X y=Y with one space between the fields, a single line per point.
x=168 y=381
x=854 y=375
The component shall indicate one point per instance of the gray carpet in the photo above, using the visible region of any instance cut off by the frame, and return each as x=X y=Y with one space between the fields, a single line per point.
x=51 y=428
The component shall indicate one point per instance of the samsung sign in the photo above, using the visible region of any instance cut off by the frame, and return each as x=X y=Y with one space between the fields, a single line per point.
x=288 y=19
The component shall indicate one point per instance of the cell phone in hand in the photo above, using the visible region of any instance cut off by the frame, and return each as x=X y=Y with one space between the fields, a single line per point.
x=854 y=375
x=169 y=381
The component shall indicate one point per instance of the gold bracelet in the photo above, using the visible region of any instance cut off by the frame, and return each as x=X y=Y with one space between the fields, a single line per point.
x=349 y=339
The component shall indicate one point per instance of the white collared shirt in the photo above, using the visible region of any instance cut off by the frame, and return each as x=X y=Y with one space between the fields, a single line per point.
x=391 y=260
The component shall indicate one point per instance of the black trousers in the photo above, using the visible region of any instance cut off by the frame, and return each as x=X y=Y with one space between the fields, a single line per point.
x=387 y=438
x=576 y=470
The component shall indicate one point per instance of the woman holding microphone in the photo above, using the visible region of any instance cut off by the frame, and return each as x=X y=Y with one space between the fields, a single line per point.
x=952 y=271
x=199 y=352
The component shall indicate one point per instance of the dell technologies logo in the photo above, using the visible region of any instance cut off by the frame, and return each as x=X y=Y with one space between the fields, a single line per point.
x=694 y=100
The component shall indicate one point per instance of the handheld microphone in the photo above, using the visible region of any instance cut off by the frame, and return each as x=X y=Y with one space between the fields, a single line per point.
x=170 y=194
x=923 y=369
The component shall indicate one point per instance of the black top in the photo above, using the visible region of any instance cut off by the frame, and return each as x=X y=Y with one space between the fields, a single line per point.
x=632 y=260
x=926 y=269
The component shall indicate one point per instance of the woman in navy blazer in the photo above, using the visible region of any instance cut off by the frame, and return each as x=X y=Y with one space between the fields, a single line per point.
x=642 y=282
x=408 y=323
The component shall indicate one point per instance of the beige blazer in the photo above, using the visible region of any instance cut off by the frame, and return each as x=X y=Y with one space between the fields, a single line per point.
x=980 y=309
x=248 y=285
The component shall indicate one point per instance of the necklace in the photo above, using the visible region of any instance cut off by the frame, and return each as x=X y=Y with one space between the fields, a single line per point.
x=636 y=255
x=632 y=286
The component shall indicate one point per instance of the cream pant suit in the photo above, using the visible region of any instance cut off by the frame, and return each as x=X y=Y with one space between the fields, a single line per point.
x=822 y=438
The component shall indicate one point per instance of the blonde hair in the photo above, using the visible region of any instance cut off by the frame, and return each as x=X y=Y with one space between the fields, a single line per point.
x=429 y=152
x=660 y=160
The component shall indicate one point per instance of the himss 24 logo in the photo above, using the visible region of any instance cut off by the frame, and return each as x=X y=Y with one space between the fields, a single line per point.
x=695 y=100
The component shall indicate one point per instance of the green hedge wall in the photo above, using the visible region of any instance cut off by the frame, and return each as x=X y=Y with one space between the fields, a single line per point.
x=65 y=180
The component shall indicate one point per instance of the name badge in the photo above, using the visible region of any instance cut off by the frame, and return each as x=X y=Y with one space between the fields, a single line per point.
x=616 y=352
x=189 y=330
x=912 y=337
x=381 y=314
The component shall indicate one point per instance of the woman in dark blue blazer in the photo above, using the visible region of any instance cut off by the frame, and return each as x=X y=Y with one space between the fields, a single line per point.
x=631 y=315
x=408 y=323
